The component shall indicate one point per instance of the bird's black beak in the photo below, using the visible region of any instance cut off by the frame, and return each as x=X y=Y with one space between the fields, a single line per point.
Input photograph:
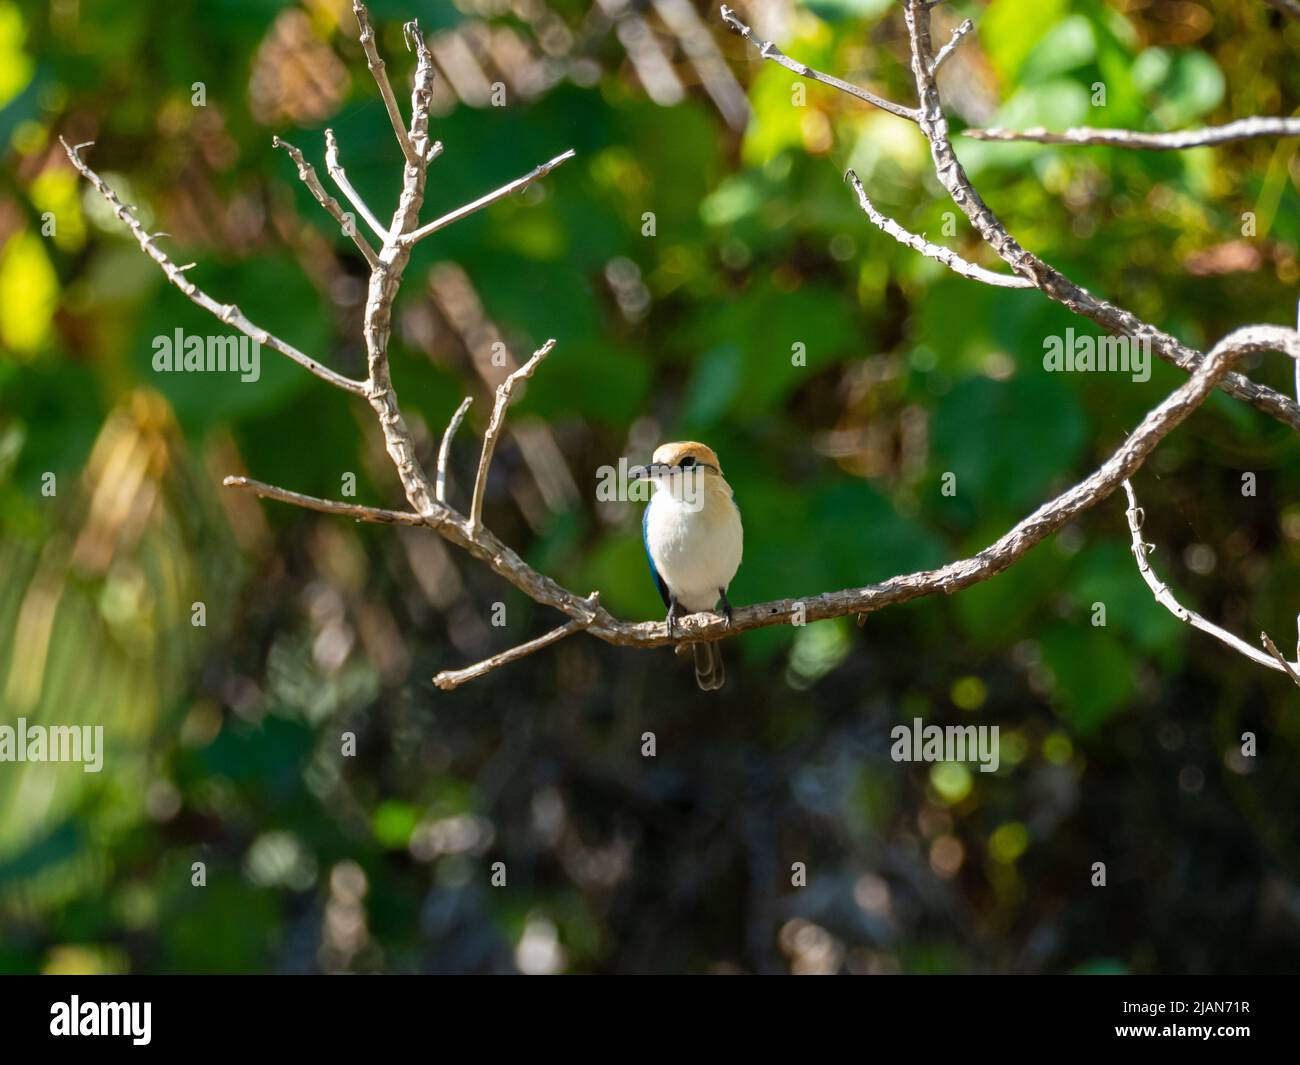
x=645 y=473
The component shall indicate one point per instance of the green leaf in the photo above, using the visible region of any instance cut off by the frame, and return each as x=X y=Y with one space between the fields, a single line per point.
x=1105 y=573
x=1005 y=608
x=717 y=377
x=772 y=329
x=16 y=66
x=1055 y=103
x=618 y=569
x=1010 y=29
x=29 y=294
x=1193 y=86
x=275 y=295
x=841 y=10
x=1007 y=441
x=1093 y=671
x=599 y=381
x=864 y=539
x=1068 y=45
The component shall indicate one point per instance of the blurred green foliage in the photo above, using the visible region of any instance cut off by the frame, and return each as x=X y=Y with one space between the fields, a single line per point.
x=226 y=741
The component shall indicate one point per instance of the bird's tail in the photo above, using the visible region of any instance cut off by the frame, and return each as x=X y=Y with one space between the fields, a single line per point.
x=709 y=673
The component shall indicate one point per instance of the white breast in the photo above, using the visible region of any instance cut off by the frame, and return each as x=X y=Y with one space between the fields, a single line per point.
x=696 y=548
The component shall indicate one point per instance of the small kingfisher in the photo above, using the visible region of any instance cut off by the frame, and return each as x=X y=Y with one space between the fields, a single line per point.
x=693 y=541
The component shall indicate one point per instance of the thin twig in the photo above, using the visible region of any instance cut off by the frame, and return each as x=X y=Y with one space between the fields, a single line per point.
x=374 y=515
x=444 y=451
x=450 y=679
x=1166 y=598
x=948 y=49
x=1280 y=658
x=226 y=312
x=335 y=168
x=768 y=50
x=944 y=255
x=308 y=175
x=1177 y=140
x=486 y=200
x=376 y=65
x=421 y=95
x=494 y=429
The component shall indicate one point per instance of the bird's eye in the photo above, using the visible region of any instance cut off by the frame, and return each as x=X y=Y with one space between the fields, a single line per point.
x=688 y=462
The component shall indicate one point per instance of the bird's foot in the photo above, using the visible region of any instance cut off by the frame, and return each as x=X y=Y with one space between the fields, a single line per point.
x=726 y=606
x=673 y=607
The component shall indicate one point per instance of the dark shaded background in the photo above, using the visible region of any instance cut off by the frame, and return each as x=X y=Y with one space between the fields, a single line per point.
x=1120 y=743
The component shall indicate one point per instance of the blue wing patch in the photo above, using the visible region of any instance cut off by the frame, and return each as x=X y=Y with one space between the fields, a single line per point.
x=664 y=594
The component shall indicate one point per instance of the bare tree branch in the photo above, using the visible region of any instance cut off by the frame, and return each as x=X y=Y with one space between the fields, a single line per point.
x=494 y=429
x=1169 y=601
x=335 y=168
x=944 y=255
x=226 y=312
x=995 y=558
x=454 y=528
x=948 y=49
x=376 y=65
x=450 y=679
x=1178 y=140
x=1051 y=282
x=308 y=175
x=421 y=93
x=486 y=200
x=444 y=450
x=770 y=51
x=374 y=515
x=384 y=283
x=1271 y=647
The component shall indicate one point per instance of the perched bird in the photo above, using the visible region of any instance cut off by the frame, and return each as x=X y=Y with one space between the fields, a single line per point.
x=693 y=540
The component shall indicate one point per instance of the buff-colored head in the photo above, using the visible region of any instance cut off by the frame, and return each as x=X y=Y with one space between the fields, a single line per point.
x=684 y=454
